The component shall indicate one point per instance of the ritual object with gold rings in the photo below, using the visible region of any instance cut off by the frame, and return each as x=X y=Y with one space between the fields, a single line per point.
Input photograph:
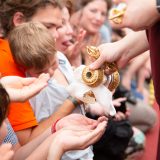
x=116 y=14
x=94 y=78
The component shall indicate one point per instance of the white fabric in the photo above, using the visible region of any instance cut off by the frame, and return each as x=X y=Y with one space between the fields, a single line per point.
x=102 y=94
x=50 y=98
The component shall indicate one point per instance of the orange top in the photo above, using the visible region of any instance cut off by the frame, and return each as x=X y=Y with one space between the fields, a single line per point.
x=21 y=115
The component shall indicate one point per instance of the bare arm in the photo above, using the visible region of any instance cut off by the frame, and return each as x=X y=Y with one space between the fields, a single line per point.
x=68 y=127
x=122 y=51
x=27 y=135
x=69 y=138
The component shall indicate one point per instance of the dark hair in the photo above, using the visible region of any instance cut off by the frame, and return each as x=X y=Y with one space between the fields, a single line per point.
x=28 y=7
x=69 y=5
x=4 y=102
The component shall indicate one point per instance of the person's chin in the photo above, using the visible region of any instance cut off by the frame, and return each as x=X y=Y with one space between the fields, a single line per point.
x=94 y=30
x=63 y=48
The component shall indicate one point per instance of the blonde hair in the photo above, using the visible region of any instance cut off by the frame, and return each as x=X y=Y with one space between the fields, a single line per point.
x=31 y=45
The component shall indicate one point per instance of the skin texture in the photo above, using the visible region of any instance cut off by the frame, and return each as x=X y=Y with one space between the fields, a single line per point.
x=139 y=21
x=20 y=89
x=122 y=51
x=6 y=152
x=93 y=16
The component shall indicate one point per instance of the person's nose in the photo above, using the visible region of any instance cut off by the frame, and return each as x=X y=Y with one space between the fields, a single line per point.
x=69 y=29
x=98 y=16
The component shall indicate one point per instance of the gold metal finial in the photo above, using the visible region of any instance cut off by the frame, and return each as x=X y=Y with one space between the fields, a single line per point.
x=93 y=78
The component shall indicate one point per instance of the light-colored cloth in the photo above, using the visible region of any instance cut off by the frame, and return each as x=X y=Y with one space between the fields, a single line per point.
x=50 y=98
x=103 y=96
x=105 y=34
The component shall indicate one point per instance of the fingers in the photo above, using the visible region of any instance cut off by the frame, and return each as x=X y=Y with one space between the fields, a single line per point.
x=120 y=116
x=29 y=87
x=38 y=84
x=6 y=152
x=97 y=64
x=27 y=81
x=103 y=118
x=95 y=135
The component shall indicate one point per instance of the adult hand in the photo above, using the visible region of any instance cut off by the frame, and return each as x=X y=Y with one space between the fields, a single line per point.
x=74 y=49
x=78 y=120
x=21 y=89
x=74 y=138
x=139 y=15
x=122 y=51
x=109 y=52
x=6 y=152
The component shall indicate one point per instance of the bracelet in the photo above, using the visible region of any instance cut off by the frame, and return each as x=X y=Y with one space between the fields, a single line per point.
x=74 y=101
x=53 y=127
x=158 y=5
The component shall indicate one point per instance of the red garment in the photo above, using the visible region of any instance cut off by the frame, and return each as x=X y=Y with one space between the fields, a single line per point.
x=21 y=115
x=154 y=42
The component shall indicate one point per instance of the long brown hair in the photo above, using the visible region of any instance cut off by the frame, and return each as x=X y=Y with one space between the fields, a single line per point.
x=27 y=7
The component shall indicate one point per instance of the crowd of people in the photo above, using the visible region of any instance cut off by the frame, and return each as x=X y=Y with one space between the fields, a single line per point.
x=41 y=44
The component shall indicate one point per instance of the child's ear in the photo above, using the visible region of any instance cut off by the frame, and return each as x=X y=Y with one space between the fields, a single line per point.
x=18 y=18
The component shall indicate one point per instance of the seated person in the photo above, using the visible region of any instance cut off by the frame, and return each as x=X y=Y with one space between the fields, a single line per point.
x=76 y=137
x=39 y=56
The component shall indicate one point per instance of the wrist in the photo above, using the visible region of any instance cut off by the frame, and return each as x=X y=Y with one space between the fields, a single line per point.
x=74 y=101
x=53 y=127
x=56 y=149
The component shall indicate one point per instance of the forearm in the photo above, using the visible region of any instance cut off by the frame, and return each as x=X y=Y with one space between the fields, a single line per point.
x=65 y=109
x=133 y=44
x=25 y=150
x=41 y=152
x=55 y=150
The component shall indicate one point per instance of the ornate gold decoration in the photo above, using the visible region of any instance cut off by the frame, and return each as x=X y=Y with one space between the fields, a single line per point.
x=116 y=14
x=89 y=97
x=114 y=82
x=93 y=78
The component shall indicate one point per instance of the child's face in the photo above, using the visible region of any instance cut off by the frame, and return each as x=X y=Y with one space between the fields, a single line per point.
x=49 y=68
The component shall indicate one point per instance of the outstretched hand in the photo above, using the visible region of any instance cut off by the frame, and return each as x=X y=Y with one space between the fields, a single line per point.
x=73 y=52
x=21 y=89
x=78 y=120
x=74 y=138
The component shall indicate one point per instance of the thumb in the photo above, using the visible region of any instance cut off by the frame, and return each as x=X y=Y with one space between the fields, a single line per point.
x=97 y=64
